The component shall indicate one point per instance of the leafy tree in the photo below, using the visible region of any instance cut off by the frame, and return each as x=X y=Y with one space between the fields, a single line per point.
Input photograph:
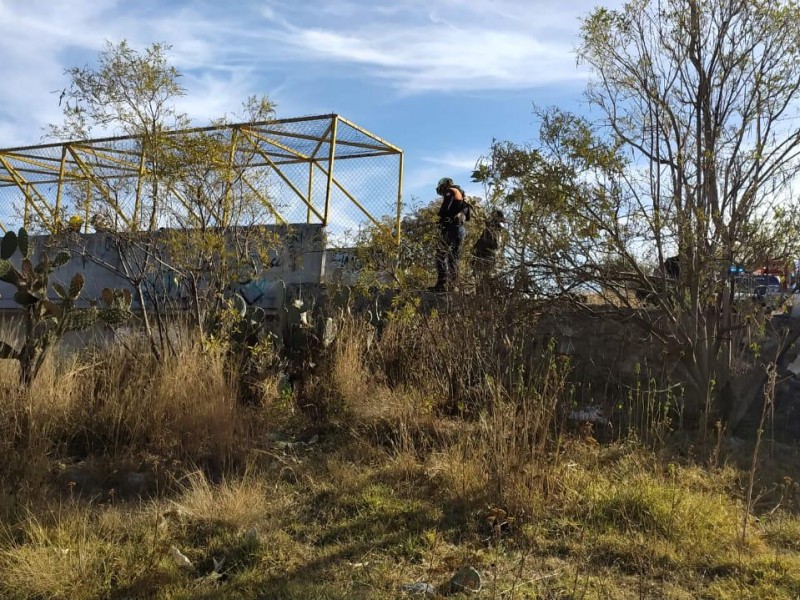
x=694 y=156
x=188 y=179
x=126 y=93
x=410 y=267
x=541 y=189
x=218 y=235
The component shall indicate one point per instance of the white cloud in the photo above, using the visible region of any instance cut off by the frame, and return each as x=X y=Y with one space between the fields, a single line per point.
x=226 y=52
x=417 y=62
x=442 y=45
x=459 y=160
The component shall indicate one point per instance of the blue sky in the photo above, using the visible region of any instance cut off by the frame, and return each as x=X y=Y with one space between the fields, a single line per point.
x=439 y=78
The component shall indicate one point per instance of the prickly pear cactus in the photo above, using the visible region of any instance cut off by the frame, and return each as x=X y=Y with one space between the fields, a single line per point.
x=250 y=327
x=46 y=321
x=117 y=306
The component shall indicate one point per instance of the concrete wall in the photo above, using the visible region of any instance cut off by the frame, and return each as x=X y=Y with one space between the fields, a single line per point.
x=341 y=266
x=299 y=260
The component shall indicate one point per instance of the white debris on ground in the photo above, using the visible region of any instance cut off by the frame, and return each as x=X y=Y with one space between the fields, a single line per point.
x=588 y=414
x=180 y=559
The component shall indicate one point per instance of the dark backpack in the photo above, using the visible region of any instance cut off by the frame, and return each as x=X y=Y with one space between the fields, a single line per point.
x=467 y=208
x=447 y=212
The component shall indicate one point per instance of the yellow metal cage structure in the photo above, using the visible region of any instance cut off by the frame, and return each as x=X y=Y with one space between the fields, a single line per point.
x=318 y=169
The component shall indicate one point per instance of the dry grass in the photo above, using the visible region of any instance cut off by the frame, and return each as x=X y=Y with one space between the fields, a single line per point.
x=240 y=504
x=74 y=552
x=397 y=488
x=116 y=403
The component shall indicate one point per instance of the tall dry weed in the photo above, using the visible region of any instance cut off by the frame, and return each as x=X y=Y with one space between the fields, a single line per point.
x=460 y=351
x=240 y=503
x=184 y=406
x=117 y=401
x=480 y=371
x=30 y=421
x=68 y=553
x=349 y=373
x=520 y=435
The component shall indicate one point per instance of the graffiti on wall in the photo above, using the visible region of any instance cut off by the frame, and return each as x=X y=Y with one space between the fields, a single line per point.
x=342 y=265
x=296 y=258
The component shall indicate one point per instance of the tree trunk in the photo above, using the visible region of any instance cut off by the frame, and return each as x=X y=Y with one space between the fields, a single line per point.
x=148 y=329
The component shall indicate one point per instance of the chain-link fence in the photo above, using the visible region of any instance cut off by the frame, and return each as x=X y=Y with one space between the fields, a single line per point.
x=322 y=169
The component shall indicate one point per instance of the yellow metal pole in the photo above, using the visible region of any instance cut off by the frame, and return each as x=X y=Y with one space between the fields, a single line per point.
x=331 y=158
x=369 y=134
x=227 y=208
x=57 y=216
x=286 y=180
x=105 y=155
x=272 y=142
x=321 y=140
x=91 y=177
x=357 y=204
x=137 y=203
x=399 y=196
x=27 y=190
x=45 y=167
x=88 y=211
x=310 y=190
x=26 y=211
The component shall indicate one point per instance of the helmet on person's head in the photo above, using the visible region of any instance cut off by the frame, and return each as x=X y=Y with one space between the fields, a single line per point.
x=444 y=183
x=75 y=223
x=498 y=216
